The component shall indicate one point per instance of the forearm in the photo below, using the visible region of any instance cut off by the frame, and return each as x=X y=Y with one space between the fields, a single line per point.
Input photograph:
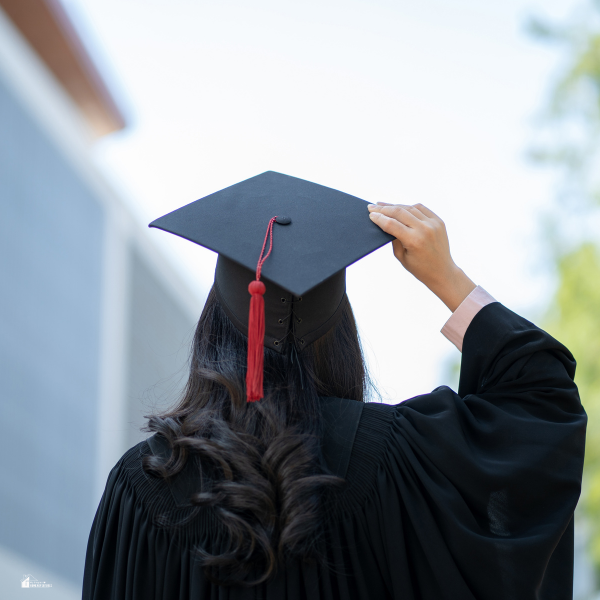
x=452 y=287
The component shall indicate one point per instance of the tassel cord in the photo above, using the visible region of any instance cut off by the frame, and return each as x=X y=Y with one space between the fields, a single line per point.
x=256 y=326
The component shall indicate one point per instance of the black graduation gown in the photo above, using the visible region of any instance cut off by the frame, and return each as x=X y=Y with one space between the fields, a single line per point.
x=449 y=496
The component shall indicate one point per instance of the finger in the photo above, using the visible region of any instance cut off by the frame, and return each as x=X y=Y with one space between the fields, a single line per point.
x=413 y=210
x=378 y=204
x=390 y=225
x=402 y=214
x=426 y=211
x=392 y=204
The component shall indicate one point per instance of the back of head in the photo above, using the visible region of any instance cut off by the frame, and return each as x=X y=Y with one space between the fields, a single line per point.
x=261 y=462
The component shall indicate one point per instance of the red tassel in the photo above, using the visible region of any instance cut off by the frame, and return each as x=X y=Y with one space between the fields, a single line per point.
x=256 y=327
x=256 y=338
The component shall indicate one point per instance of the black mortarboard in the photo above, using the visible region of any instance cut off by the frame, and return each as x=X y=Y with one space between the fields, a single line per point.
x=318 y=233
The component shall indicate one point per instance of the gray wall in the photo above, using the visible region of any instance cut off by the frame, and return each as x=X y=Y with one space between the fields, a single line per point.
x=159 y=345
x=51 y=232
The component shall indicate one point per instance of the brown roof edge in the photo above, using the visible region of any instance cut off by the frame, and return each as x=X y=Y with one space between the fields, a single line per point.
x=48 y=29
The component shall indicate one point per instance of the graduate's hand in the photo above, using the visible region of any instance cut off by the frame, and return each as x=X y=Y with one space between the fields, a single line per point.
x=422 y=246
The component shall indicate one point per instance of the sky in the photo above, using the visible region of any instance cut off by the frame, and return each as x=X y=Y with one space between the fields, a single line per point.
x=430 y=101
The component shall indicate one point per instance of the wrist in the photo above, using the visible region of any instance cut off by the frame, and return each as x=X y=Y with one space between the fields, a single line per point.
x=453 y=287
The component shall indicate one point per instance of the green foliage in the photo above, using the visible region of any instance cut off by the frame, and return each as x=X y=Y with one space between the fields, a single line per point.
x=570 y=131
x=574 y=319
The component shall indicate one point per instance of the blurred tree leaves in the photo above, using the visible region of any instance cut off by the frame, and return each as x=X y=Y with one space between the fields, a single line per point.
x=570 y=124
x=574 y=319
x=570 y=143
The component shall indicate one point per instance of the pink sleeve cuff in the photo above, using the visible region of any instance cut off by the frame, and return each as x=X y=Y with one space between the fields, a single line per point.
x=456 y=326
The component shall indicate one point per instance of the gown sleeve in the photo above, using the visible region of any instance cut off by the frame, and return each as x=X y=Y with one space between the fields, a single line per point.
x=486 y=480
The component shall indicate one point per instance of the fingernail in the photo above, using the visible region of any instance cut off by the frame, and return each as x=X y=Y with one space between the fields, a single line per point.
x=372 y=206
x=372 y=215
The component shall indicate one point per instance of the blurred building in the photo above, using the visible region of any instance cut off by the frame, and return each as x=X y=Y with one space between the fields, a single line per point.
x=94 y=324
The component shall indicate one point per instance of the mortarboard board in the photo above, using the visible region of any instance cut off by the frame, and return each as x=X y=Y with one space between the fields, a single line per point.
x=318 y=232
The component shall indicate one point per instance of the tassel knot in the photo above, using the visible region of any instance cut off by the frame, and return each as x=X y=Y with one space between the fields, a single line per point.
x=257 y=287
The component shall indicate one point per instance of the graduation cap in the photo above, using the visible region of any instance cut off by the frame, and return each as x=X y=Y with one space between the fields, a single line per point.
x=295 y=235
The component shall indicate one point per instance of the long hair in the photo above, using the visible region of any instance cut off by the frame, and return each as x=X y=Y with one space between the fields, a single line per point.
x=262 y=460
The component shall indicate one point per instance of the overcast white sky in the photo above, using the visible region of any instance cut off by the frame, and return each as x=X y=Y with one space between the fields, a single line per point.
x=409 y=101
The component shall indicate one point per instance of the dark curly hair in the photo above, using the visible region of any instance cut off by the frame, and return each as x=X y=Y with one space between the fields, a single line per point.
x=263 y=460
